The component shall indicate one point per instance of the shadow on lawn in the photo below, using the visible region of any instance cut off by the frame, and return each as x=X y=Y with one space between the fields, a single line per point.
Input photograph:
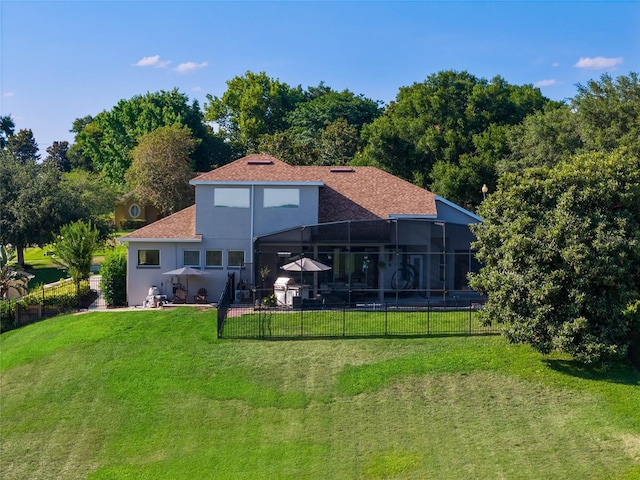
x=617 y=373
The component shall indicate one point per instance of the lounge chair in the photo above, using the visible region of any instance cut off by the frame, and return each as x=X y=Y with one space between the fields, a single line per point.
x=180 y=296
x=201 y=296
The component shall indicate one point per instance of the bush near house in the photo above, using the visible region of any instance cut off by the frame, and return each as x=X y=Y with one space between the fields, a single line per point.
x=114 y=278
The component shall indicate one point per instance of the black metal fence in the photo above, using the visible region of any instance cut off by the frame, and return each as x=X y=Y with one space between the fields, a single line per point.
x=454 y=317
x=225 y=300
x=45 y=302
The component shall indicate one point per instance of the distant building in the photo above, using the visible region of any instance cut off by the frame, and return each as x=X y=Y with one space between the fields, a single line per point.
x=128 y=208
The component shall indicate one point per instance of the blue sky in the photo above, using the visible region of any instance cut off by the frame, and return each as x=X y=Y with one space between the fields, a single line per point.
x=61 y=60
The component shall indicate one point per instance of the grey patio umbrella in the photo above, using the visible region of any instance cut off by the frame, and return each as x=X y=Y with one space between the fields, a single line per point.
x=305 y=265
x=187 y=272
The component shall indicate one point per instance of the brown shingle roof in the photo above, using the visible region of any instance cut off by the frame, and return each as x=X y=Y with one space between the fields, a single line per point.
x=180 y=226
x=349 y=193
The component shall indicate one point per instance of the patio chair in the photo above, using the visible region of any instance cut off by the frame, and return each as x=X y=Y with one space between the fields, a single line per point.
x=201 y=296
x=180 y=296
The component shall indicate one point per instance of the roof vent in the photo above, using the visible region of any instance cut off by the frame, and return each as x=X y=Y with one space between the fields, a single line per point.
x=260 y=162
x=342 y=170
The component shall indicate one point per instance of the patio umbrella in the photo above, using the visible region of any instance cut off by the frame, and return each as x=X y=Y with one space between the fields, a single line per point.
x=305 y=265
x=186 y=271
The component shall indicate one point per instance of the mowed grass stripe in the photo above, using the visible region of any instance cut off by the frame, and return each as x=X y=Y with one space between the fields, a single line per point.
x=154 y=395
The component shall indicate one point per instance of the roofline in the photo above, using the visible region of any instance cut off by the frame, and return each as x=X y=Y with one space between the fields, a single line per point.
x=459 y=208
x=122 y=240
x=258 y=182
x=411 y=215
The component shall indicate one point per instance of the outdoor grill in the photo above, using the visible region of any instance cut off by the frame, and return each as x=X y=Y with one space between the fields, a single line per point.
x=154 y=299
x=285 y=291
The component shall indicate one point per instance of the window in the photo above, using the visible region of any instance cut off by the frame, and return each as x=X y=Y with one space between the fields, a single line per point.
x=213 y=258
x=281 y=198
x=134 y=211
x=231 y=197
x=191 y=258
x=236 y=259
x=148 y=258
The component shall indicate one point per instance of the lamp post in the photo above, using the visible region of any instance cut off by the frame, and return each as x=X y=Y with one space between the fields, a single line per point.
x=484 y=191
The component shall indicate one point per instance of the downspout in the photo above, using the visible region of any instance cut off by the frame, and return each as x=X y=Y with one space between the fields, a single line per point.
x=251 y=236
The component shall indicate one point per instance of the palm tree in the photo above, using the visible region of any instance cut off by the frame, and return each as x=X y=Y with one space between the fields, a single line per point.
x=10 y=277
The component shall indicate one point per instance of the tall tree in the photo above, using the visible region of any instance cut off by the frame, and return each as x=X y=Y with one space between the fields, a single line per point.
x=58 y=156
x=561 y=248
x=7 y=127
x=609 y=112
x=544 y=138
x=437 y=120
x=109 y=138
x=34 y=204
x=162 y=168
x=23 y=146
x=253 y=105
x=324 y=129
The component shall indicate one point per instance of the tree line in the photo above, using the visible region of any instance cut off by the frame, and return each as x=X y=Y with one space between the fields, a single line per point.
x=451 y=133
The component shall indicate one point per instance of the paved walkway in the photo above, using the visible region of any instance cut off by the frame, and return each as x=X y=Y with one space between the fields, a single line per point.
x=94 y=284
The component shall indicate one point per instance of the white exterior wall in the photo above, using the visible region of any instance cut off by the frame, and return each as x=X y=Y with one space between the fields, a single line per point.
x=221 y=229
x=140 y=279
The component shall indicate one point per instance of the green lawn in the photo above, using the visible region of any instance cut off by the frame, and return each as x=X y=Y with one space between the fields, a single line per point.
x=154 y=395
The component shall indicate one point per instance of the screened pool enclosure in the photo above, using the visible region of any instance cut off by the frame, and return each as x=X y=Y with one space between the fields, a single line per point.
x=386 y=261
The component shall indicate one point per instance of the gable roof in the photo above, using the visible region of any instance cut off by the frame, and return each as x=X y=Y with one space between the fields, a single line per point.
x=346 y=193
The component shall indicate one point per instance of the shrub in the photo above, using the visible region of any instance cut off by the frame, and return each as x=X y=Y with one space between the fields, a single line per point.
x=114 y=279
x=132 y=224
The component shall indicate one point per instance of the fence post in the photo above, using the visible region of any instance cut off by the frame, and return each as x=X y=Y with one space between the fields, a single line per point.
x=428 y=318
x=470 y=321
x=344 y=320
x=386 y=319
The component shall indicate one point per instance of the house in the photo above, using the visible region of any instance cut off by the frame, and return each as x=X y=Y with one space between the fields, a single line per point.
x=129 y=210
x=382 y=237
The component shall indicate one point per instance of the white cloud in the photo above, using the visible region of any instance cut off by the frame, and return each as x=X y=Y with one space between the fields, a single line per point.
x=7 y=94
x=196 y=89
x=153 y=61
x=598 y=63
x=545 y=83
x=555 y=64
x=189 y=67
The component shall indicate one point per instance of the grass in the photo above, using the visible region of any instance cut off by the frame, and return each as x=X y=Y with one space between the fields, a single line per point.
x=155 y=395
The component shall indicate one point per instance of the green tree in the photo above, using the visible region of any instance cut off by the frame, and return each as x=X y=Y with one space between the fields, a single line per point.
x=23 y=146
x=35 y=203
x=324 y=129
x=58 y=156
x=561 y=248
x=609 y=113
x=253 y=105
x=162 y=168
x=544 y=138
x=110 y=136
x=7 y=127
x=73 y=249
x=437 y=121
